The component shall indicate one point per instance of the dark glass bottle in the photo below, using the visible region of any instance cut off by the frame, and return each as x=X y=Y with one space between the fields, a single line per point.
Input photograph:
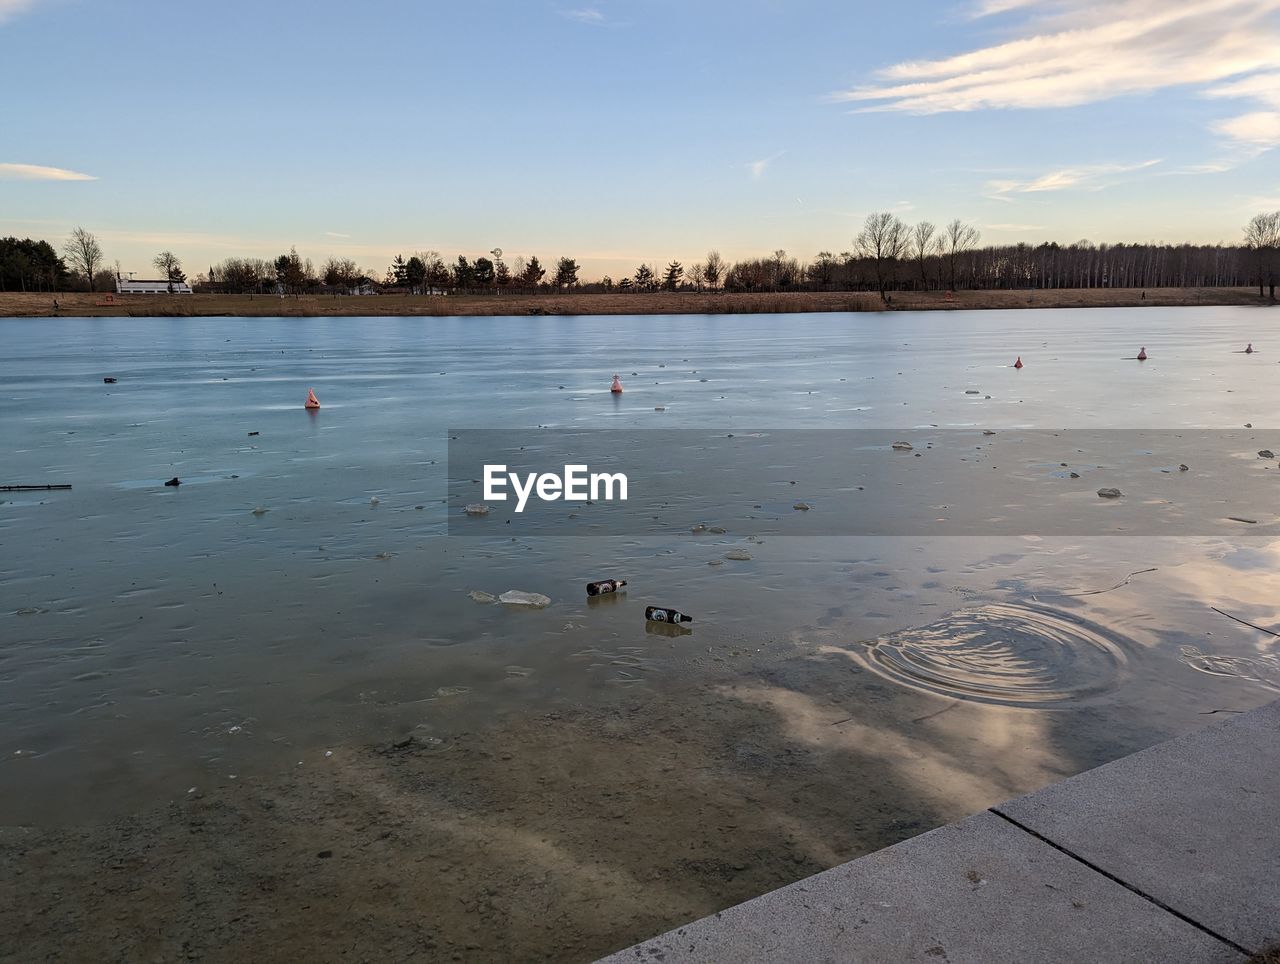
x=659 y=615
x=605 y=586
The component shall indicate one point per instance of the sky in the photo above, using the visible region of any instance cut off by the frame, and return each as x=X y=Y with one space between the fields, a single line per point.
x=626 y=131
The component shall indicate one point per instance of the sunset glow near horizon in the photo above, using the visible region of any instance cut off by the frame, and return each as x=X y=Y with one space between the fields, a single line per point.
x=630 y=131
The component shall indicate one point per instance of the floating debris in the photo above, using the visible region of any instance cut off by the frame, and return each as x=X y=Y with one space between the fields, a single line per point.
x=476 y=508
x=1109 y=493
x=480 y=596
x=517 y=597
x=445 y=692
x=802 y=506
x=175 y=481
x=738 y=555
x=899 y=447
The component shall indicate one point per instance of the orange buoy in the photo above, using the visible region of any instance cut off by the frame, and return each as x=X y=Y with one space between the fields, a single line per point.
x=1018 y=363
x=1249 y=349
x=1142 y=355
x=312 y=401
x=616 y=387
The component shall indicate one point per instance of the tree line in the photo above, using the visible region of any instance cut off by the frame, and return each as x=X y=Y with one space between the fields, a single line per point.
x=887 y=255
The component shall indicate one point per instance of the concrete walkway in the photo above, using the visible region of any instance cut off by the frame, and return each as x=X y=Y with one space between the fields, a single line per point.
x=1171 y=854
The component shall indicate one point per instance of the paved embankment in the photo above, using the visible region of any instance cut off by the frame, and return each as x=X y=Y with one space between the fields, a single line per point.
x=1169 y=854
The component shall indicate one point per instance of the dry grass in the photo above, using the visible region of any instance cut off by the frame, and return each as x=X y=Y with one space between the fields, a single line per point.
x=658 y=303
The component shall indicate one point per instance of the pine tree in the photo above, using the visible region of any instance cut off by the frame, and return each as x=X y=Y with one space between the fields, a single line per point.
x=673 y=276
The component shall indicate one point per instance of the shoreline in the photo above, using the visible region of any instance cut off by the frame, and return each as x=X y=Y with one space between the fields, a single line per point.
x=84 y=304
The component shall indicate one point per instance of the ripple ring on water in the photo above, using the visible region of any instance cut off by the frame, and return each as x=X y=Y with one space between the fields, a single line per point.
x=1010 y=655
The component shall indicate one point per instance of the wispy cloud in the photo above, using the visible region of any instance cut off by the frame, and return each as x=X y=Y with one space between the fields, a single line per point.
x=1072 y=52
x=335 y=234
x=1088 y=177
x=1011 y=226
x=989 y=8
x=11 y=8
x=588 y=15
x=757 y=168
x=36 y=172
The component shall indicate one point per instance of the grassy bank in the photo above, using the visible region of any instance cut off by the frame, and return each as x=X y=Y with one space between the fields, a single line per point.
x=657 y=303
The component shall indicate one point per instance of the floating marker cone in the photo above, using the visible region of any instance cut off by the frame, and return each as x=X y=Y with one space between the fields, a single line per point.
x=1142 y=355
x=1018 y=363
x=616 y=387
x=312 y=401
x=1249 y=350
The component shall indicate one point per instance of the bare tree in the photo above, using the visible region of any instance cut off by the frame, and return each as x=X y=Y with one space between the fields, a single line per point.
x=823 y=270
x=84 y=254
x=882 y=241
x=170 y=267
x=1262 y=238
x=922 y=243
x=957 y=238
x=713 y=270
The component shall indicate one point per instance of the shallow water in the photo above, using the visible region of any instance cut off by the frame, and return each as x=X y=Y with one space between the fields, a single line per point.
x=299 y=590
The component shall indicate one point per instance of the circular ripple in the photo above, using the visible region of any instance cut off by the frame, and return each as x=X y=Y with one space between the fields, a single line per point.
x=1005 y=654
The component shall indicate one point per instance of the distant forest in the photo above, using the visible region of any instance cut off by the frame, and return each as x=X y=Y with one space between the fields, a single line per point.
x=887 y=255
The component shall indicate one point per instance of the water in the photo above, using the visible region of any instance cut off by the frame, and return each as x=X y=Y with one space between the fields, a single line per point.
x=155 y=638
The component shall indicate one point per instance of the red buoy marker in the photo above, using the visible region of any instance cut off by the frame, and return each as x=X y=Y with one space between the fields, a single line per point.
x=1018 y=363
x=616 y=387
x=1142 y=355
x=312 y=401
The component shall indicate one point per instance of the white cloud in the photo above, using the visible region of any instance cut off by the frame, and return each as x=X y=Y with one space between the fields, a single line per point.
x=1015 y=227
x=1261 y=128
x=335 y=234
x=1073 y=52
x=989 y=8
x=587 y=15
x=1088 y=177
x=11 y=8
x=757 y=168
x=35 y=172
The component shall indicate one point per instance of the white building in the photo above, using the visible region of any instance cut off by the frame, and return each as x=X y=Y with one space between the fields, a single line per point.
x=152 y=287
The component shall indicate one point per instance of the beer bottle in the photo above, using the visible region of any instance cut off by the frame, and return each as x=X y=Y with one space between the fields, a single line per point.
x=605 y=586
x=658 y=615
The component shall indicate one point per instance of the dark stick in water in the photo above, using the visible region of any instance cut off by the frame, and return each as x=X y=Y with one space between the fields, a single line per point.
x=1099 y=592
x=30 y=488
x=1260 y=629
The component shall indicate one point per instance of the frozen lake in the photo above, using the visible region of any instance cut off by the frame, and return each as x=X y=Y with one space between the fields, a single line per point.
x=154 y=638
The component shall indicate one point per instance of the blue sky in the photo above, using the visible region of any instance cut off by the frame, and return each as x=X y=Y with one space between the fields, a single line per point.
x=624 y=131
